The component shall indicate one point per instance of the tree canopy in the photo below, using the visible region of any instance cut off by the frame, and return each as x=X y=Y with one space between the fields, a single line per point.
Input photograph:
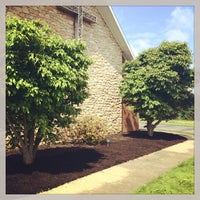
x=46 y=81
x=158 y=83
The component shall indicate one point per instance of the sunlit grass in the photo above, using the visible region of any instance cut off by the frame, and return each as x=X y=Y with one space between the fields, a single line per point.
x=184 y=132
x=170 y=126
x=189 y=123
x=179 y=180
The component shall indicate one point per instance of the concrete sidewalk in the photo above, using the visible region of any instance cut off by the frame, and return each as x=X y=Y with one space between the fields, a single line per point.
x=125 y=177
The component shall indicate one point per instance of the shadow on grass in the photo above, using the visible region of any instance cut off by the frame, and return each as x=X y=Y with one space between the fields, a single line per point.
x=157 y=136
x=54 y=161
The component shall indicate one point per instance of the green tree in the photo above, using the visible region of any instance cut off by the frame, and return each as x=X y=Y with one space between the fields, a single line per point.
x=46 y=81
x=158 y=83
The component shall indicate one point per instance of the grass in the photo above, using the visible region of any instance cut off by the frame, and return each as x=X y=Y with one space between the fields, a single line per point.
x=189 y=133
x=185 y=123
x=179 y=180
x=188 y=123
x=173 y=124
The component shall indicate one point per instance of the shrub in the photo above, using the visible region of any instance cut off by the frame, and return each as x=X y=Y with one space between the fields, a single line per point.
x=89 y=130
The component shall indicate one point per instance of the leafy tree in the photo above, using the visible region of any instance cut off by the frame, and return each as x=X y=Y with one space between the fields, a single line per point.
x=187 y=114
x=46 y=81
x=158 y=83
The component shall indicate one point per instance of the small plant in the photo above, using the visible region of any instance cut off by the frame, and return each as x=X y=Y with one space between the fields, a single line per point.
x=89 y=130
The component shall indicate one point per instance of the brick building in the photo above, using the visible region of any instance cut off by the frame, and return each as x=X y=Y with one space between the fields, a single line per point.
x=107 y=47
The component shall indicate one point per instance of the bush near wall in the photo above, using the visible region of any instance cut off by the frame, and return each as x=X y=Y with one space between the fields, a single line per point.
x=86 y=130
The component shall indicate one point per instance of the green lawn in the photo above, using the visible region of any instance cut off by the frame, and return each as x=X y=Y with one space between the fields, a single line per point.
x=179 y=180
x=189 y=133
x=173 y=126
x=188 y=123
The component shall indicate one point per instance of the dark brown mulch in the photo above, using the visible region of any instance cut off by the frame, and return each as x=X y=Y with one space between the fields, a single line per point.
x=63 y=163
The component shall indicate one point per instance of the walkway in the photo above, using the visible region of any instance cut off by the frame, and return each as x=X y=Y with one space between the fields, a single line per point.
x=125 y=177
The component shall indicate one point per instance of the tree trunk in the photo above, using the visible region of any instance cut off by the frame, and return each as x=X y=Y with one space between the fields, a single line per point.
x=150 y=129
x=29 y=149
x=29 y=155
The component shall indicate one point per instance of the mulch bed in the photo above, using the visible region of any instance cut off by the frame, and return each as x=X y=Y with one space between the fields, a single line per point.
x=59 y=164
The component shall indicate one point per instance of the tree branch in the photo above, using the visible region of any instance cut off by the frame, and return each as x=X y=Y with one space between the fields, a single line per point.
x=158 y=122
x=15 y=132
x=31 y=137
x=37 y=140
x=25 y=132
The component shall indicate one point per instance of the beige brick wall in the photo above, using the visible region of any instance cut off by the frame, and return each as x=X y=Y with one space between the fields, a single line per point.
x=105 y=73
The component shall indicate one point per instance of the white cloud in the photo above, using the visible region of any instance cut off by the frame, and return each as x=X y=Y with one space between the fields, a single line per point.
x=140 y=45
x=181 y=18
x=142 y=41
x=144 y=35
x=180 y=25
x=134 y=50
x=176 y=34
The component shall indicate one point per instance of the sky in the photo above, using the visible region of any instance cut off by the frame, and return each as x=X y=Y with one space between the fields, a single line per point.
x=145 y=27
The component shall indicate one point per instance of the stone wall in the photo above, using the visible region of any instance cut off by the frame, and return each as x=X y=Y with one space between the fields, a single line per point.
x=105 y=73
x=59 y=22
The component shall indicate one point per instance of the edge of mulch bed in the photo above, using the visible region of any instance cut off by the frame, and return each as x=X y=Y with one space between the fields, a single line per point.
x=58 y=164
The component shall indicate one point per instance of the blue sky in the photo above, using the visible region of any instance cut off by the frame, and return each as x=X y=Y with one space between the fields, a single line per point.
x=147 y=26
